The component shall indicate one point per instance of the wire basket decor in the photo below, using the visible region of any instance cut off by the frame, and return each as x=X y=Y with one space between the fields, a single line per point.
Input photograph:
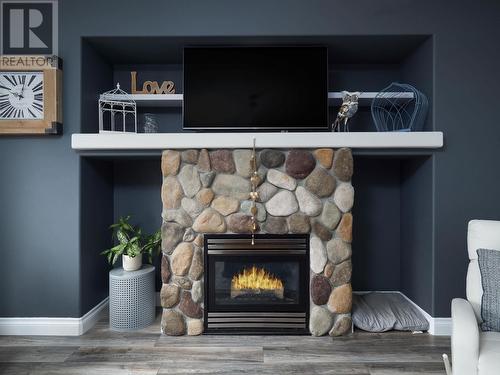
x=399 y=107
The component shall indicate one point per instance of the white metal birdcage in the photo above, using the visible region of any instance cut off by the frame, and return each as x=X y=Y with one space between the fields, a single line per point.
x=117 y=103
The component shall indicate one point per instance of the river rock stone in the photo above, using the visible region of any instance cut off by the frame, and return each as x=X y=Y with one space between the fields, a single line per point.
x=189 y=235
x=169 y=295
x=299 y=223
x=261 y=172
x=330 y=216
x=338 y=251
x=328 y=270
x=343 y=164
x=191 y=206
x=242 y=161
x=182 y=281
x=194 y=327
x=344 y=197
x=239 y=223
x=246 y=207
x=231 y=185
x=178 y=216
x=318 y=254
x=222 y=161
x=205 y=196
x=321 y=231
x=196 y=270
x=299 y=163
x=197 y=291
x=272 y=158
x=172 y=323
x=171 y=193
x=282 y=203
x=204 y=161
x=266 y=191
x=225 y=205
x=281 y=179
x=189 y=156
x=320 y=182
x=309 y=203
x=275 y=225
x=324 y=156
x=342 y=273
x=181 y=258
x=344 y=230
x=207 y=178
x=320 y=321
x=190 y=180
x=340 y=301
x=320 y=290
x=165 y=269
x=171 y=235
x=198 y=241
x=341 y=326
x=189 y=307
x=209 y=221
x=170 y=162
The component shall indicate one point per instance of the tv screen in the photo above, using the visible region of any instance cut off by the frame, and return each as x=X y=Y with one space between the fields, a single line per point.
x=258 y=88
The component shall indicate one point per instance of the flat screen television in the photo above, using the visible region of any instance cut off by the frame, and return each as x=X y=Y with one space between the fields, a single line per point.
x=255 y=88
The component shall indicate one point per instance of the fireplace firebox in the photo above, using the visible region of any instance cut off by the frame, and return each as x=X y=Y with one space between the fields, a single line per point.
x=258 y=288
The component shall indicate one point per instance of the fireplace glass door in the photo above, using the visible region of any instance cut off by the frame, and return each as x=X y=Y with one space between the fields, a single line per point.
x=264 y=286
x=256 y=282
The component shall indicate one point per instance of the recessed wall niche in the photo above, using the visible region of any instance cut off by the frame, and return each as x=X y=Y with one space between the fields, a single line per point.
x=393 y=210
x=356 y=63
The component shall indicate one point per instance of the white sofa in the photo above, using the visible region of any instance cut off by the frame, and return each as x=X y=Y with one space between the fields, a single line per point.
x=474 y=351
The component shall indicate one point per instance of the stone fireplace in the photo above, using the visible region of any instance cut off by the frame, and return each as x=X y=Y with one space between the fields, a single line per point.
x=302 y=192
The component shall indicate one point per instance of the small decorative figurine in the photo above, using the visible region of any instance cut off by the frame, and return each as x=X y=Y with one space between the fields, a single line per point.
x=347 y=110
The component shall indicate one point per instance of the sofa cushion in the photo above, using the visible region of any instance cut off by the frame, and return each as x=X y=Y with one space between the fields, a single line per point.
x=489 y=265
x=489 y=355
x=482 y=234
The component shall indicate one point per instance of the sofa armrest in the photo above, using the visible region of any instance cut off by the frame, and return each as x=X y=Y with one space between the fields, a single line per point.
x=465 y=338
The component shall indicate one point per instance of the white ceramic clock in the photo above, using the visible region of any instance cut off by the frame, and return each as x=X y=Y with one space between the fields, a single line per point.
x=21 y=95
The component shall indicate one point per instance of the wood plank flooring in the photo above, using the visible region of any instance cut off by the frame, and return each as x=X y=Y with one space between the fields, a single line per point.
x=104 y=352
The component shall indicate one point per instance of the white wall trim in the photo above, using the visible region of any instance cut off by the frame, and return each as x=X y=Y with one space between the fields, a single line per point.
x=437 y=326
x=53 y=326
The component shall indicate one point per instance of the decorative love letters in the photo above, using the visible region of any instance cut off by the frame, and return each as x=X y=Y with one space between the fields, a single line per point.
x=151 y=87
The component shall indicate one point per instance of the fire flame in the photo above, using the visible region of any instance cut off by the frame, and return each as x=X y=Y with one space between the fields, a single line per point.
x=256 y=279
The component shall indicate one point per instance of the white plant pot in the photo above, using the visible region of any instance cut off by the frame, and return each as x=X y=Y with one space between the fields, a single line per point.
x=131 y=264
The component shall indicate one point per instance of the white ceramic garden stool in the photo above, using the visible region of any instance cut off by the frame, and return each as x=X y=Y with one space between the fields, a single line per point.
x=131 y=298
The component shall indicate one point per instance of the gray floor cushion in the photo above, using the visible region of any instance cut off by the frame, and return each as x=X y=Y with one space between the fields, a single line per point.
x=380 y=312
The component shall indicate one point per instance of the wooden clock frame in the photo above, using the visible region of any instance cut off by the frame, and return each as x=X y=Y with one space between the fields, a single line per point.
x=51 y=66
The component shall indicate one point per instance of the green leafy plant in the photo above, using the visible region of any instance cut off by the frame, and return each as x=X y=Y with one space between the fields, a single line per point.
x=132 y=242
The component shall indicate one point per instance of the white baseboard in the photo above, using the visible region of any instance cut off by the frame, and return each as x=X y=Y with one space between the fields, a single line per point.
x=437 y=326
x=53 y=326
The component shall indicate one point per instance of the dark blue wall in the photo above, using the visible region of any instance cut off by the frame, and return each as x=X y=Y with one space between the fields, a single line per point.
x=42 y=180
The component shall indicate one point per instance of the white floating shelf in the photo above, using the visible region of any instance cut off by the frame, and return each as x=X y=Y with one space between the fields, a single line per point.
x=175 y=100
x=159 y=141
x=151 y=100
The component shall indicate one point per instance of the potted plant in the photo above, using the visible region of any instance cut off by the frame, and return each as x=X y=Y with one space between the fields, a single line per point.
x=131 y=245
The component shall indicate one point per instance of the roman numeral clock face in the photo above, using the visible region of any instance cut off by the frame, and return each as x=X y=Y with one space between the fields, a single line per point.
x=21 y=96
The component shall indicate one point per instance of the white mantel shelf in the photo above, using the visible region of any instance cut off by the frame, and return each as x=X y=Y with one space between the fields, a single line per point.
x=160 y=141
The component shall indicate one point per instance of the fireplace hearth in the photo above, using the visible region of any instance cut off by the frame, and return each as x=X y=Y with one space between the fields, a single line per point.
x=256 y=289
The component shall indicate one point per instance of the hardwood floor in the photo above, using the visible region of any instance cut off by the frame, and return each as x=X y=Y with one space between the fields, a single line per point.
x=145 y=352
